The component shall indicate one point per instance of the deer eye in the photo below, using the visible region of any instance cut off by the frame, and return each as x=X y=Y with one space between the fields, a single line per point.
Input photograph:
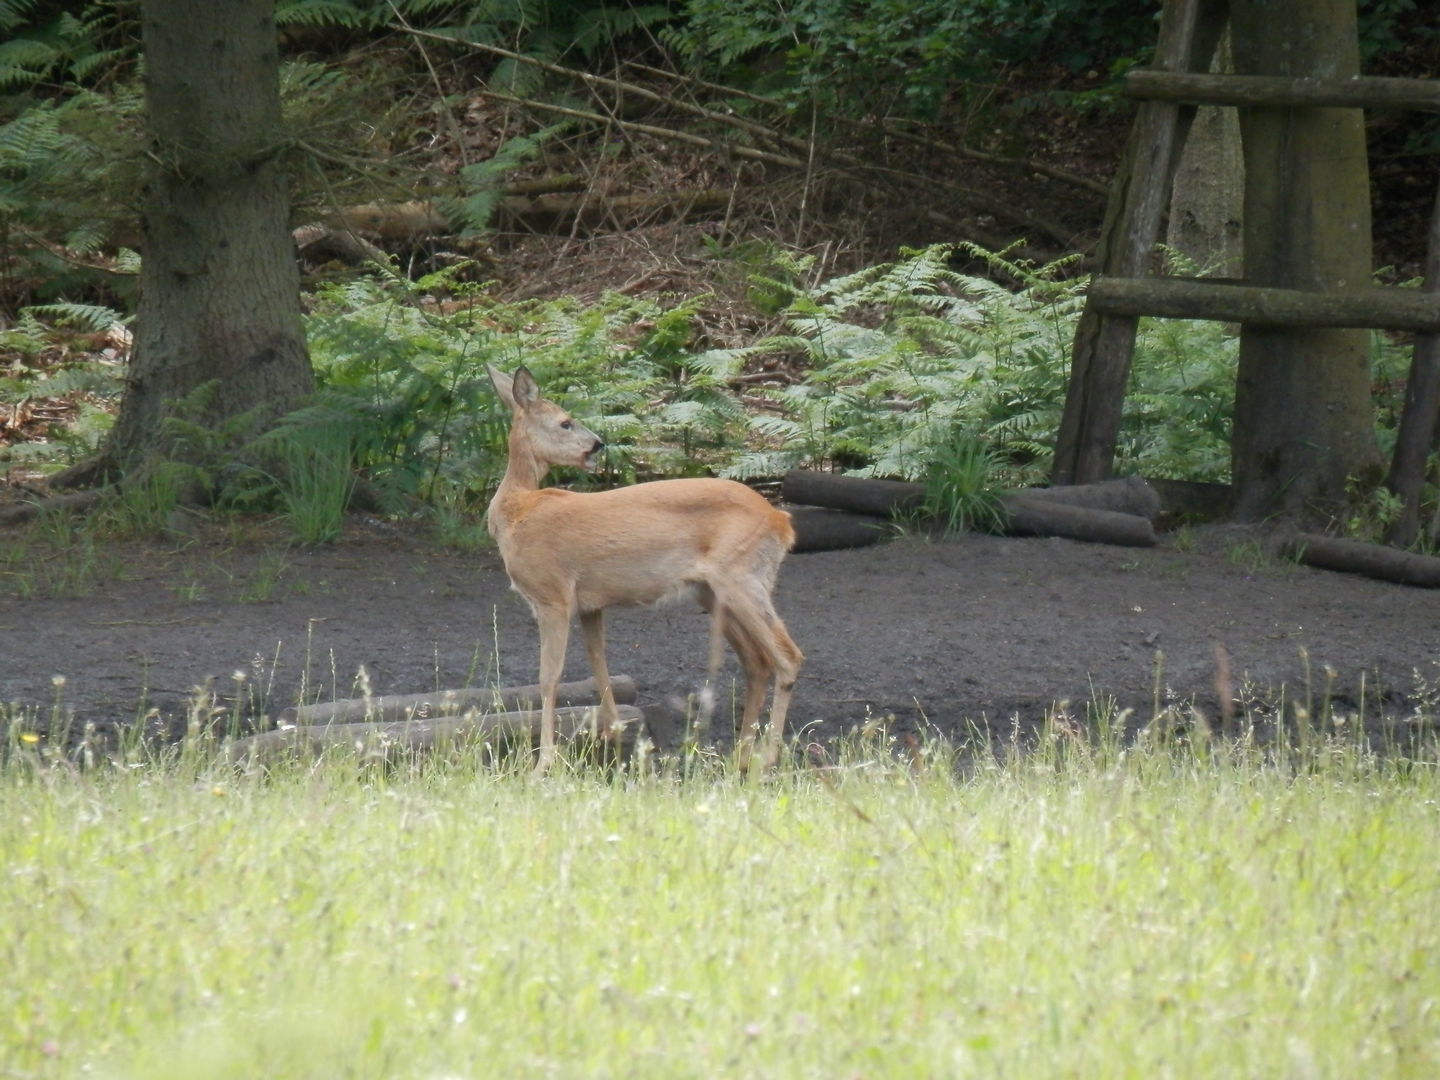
x=567 y=424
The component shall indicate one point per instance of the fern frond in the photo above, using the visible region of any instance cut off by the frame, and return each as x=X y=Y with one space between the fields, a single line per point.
x=343 y=13
x=84 y=316
x=599 y=25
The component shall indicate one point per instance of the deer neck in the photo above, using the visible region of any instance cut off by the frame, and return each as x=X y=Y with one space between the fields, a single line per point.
x=523 y=473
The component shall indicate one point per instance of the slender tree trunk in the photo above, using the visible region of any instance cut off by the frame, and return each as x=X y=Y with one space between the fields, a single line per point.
x=1303 y=420
x=219 y=313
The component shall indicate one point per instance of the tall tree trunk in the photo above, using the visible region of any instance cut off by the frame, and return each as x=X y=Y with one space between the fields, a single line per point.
x=1303 y=419
x=219 y=288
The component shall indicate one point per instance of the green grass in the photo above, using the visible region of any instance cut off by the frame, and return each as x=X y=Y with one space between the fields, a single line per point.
x=1149 y=913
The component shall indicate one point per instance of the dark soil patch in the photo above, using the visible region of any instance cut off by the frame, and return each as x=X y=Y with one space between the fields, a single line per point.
x=935 y=635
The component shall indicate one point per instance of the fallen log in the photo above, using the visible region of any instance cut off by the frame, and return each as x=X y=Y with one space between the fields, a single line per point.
x=818 y=529
x=1027 y=516
x=545 y=213
x=389 y=742
x=857 y=494
x=21 y=512
x=397 y=707
x=885 y=498
x=1370 y=560
x=1125 y=495
x=1192 y=499
x=1028 y=512
x=347 y=234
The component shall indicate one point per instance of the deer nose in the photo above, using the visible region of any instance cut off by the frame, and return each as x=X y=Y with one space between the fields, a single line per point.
x=599 y=445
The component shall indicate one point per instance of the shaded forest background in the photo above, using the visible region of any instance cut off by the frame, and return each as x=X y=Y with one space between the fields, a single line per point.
x=721 y=160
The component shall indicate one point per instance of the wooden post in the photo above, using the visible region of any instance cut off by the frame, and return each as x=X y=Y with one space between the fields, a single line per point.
x=1422 y=408
x=1100 y=358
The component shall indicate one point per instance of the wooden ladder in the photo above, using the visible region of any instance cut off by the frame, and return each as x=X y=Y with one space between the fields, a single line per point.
x=1125 y=287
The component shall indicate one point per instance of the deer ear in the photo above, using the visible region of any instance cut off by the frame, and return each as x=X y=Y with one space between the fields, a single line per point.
x=525 y=390
x=504 y=385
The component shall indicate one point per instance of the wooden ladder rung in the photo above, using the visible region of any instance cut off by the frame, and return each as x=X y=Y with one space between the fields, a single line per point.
x=1361 y=92
x=1369 y=307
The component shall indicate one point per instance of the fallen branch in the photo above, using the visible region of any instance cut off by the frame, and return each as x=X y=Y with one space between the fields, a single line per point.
x=890 y=129
x=344 y=233
x=619 y=85
x=391 y=741
x=548 y=211
x=845 y=164
x=395 y=707
x=1369 y=560
x=732 y=149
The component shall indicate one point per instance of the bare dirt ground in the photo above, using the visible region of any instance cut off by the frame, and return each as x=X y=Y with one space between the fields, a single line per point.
x=935 y=635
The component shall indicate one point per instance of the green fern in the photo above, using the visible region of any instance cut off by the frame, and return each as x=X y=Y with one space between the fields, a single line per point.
x=484 y=181
x=426 y=422
x=899 y=356
x=342 y=13
x=82 y=316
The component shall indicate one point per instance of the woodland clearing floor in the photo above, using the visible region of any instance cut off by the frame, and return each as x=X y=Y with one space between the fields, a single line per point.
x=935 y=634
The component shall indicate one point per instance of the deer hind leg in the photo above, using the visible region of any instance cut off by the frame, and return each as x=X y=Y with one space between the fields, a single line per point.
x=592 y=625
x=554 y=623
x=757 y=680
x=765 y=648
x=787 y=659
x=756 y=676
x=724 y=627
x=718 y=635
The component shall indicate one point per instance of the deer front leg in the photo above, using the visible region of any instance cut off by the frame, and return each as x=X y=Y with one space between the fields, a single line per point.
x=554 y=635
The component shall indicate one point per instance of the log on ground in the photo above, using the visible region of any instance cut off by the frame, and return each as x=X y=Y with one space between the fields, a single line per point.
x=396 y=707
x=1192 y=499
x=1125 y=495
x=21 y=512
x=856 y=494
x=884 y=498
x=818 y=529
x=389 y=742
x=1059 y=512
x=1027 y=516
x=1370 y=560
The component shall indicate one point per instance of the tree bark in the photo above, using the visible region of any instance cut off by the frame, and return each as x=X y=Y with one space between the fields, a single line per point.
x=1303 y=422
x=219 y=313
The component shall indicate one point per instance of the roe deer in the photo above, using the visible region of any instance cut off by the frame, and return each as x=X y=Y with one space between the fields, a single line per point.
x=573 y=552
